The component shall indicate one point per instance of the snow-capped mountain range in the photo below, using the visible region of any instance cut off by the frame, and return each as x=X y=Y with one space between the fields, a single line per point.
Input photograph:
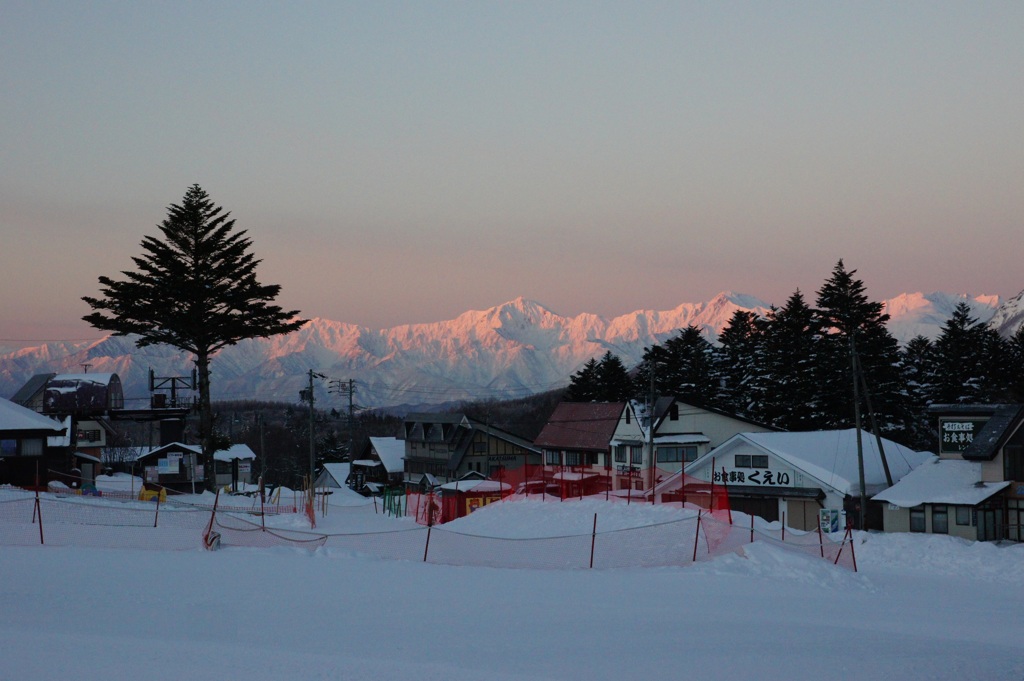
x=512 y=350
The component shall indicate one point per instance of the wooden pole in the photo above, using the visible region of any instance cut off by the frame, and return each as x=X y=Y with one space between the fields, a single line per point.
x=39 y=512
x=593 y=539
x=426 y=548
x=696 y=537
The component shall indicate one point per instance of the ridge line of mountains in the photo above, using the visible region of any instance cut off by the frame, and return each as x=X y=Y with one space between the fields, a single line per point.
x=511 y=350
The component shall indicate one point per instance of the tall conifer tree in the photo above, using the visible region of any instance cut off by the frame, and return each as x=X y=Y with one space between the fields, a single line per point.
x=195 y=289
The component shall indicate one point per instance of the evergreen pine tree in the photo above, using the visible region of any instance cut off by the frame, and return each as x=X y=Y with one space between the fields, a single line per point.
x=583 y=385
x=196 y=290
x=683 y=367
x=784 y=391
x=917 y=361
x=613 y=382
x=735 y=360
x=973 y=363
x=849 y=321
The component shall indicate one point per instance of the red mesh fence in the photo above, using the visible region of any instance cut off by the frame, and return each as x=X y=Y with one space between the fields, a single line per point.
x=698 y=536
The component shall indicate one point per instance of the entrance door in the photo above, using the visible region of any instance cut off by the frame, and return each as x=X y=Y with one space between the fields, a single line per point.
x=765 y=507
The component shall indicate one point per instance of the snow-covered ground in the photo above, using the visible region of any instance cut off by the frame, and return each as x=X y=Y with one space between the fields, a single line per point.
x=919 y=608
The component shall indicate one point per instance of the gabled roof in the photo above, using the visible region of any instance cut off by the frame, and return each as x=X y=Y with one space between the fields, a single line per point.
x=391 y=451
x=32 y=388
x=714 y=410
x=338 y=471
x=242 y=452
x=581 y=425
x=942 y=481
x=173 y=446
x=830 y=456
x=993 y=435
x=14 y=417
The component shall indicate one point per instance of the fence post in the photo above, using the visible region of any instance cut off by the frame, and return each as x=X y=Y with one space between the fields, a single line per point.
x=426 y=548
x=696 y=537
x=751 y=528
x=783 y=527
x=593 y=538
x=821 y=541
x=156 y=516
x=38 y=511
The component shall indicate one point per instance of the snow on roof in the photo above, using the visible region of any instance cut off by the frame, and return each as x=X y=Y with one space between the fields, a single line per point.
x=573 y=476
x=476 y=486
x=831 y=456
x=61 y=440
x=391 y=451
x=682 y=439
x=942 y=481
x=368 y=463
x=338 y=471
x=234 y=452
x=16 y=417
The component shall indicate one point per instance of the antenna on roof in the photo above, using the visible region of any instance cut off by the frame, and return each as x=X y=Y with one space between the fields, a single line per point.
x=85 y=368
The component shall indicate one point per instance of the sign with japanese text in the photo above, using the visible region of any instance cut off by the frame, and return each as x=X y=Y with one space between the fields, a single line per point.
x=753 y=476
x=956 y=434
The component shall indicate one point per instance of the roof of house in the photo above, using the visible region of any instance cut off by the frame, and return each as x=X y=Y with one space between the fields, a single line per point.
x=32 y=387
x=338 y=471
x=830 y=456
x=233 y=452
x=993 y=435
x=942 y=481
x=581 y=425
x=14 y=417
x=391 y=451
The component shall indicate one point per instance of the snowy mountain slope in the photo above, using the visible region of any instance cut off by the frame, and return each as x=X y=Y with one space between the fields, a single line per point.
x=1009 y=317
x=514 y=349
x=914 y=314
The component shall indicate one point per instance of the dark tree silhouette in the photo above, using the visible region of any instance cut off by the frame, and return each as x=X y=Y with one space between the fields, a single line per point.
x=194 y=289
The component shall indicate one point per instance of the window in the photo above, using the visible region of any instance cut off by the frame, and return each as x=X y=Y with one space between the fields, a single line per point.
x=636 y=455
x=751 y=461
x=917 y=519
x=940 y=520
x=8 y=447
x=963 y=515
x=572 y=459
x=677 y=454
x=552 y=458
x=1013 y=463
x=673 y=413
x=480 y=446
x=620 y=454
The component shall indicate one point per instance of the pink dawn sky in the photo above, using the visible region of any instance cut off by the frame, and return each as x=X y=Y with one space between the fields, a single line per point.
x=404 y=162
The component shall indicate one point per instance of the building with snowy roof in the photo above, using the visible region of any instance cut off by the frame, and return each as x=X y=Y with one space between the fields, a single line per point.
x=682 y=432
x=28 y=442
x=381 y=464
x=975 y=489
x=444 y=447
x=797 y=474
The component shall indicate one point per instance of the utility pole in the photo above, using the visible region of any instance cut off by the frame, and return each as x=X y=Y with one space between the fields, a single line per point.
x=340 y=387
x=307 y=394
x=650 y=426
x=860 y=444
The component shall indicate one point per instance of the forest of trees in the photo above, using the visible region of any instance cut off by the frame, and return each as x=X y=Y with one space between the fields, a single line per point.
x=793 y=368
